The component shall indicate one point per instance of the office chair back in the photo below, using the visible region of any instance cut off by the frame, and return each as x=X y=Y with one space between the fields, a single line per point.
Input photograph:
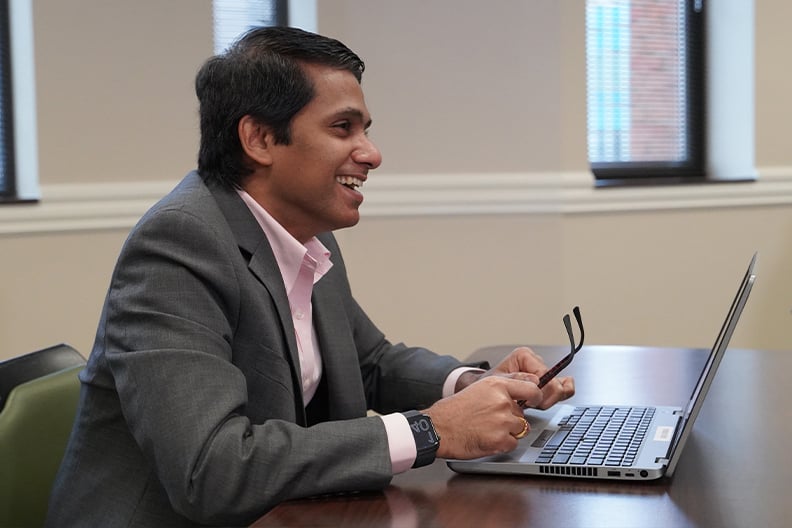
x=38 y=402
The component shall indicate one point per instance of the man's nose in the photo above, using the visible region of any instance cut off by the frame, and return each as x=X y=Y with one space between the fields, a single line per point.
x=368 y=154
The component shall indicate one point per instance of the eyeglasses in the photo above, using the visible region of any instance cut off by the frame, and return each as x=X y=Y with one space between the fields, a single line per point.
x=566 y=360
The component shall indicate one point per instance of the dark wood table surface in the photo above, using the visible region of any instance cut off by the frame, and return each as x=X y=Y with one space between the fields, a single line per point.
x=735 y=471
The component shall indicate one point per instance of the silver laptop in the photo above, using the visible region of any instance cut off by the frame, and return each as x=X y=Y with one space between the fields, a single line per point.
x=611 y=441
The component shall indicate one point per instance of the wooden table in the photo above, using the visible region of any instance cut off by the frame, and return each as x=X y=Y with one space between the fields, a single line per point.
x=736 y=469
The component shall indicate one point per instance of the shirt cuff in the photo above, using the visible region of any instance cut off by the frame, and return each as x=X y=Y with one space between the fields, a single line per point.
x=451 y=380
x=401 y=442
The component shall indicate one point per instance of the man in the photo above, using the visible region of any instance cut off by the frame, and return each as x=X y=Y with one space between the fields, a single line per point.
x=232 y=367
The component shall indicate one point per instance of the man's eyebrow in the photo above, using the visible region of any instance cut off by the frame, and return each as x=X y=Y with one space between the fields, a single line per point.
x=354 y=113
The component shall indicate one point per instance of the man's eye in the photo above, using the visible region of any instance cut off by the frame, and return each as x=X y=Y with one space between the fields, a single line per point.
x=344 y=125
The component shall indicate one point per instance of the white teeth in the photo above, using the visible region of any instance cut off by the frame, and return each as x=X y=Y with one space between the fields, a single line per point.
x=350 y=181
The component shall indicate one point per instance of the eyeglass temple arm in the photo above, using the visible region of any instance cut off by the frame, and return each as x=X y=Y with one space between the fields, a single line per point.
x=566 y=360
x=555 y=369
x=579 y=319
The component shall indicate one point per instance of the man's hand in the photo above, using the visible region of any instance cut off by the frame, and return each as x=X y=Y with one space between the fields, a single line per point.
x=483 y=417
x=523 y=363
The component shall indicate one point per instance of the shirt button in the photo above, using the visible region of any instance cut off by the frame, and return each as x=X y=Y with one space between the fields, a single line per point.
x=299 y=314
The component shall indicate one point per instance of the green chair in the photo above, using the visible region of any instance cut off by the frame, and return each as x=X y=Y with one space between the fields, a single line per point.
x=38 y=402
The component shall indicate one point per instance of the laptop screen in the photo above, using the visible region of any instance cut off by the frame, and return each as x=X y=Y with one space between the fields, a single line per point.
x=708 y=372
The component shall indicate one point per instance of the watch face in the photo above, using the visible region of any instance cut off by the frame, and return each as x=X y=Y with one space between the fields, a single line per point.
x=426 y=440
x=424 y=432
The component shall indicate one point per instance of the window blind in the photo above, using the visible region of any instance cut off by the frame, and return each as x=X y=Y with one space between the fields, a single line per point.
x=234 y=17
x=644 y=71
x=7 y=180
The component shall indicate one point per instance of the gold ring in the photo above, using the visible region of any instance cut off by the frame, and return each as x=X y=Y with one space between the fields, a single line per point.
x=524 y=430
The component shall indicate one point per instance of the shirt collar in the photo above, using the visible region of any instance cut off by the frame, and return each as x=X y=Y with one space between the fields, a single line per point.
x=289 y=252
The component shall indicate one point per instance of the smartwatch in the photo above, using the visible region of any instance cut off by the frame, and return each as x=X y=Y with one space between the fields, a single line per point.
x=426 y=439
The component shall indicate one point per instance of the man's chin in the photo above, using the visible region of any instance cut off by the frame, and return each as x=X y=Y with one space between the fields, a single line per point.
x=350 y=221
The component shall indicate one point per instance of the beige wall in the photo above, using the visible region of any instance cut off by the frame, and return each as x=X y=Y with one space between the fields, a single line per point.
x=455 y=87
x=114 y=86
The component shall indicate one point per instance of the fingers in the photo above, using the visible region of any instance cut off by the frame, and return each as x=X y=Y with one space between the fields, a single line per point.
x=523 y=391
x=523 y=376
x=527 y=353
x=567 y=387
x=483 y=419
x=521 y=359
x=556 y=390
x=528 y=361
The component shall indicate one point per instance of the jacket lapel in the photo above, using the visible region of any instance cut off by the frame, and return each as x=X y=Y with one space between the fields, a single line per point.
x=262 y=264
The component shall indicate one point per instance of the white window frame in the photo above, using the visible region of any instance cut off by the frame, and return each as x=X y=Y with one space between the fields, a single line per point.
x=23 y=93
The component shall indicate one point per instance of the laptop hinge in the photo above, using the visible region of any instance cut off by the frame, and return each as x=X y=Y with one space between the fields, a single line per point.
x=678 y=412
x=662 y=460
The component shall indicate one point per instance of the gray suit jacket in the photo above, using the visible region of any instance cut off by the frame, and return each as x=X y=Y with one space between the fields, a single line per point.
x=191 y=407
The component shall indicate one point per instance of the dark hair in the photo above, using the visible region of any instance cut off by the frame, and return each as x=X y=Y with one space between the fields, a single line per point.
x=259 y=75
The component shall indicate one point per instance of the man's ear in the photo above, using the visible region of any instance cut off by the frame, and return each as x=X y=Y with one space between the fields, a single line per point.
x=256 y=140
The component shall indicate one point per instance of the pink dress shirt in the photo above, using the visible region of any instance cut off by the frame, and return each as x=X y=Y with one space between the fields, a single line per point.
x=301 y=266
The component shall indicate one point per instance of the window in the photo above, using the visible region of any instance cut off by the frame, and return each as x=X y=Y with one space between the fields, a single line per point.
x=7 y=172
x=645 y=90
x=234 y=17
x=18 y=134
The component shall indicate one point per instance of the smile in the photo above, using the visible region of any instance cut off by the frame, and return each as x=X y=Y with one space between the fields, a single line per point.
x=350 y=181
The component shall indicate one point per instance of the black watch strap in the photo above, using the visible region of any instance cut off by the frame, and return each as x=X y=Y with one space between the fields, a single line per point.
x=426 y=439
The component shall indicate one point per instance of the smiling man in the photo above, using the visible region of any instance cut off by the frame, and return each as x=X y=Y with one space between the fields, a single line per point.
x=232 y=367
x=311 y=184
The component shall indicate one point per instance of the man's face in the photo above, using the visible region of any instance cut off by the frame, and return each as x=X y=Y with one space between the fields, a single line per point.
x=312 y=183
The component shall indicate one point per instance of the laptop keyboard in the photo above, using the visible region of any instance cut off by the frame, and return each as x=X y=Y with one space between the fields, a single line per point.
x=598 y=436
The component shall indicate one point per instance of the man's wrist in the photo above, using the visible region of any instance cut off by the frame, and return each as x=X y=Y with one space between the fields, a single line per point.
x=426 y=438
x=467 y=378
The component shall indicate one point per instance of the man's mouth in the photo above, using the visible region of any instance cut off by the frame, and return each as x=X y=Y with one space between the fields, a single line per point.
x=350 y=181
